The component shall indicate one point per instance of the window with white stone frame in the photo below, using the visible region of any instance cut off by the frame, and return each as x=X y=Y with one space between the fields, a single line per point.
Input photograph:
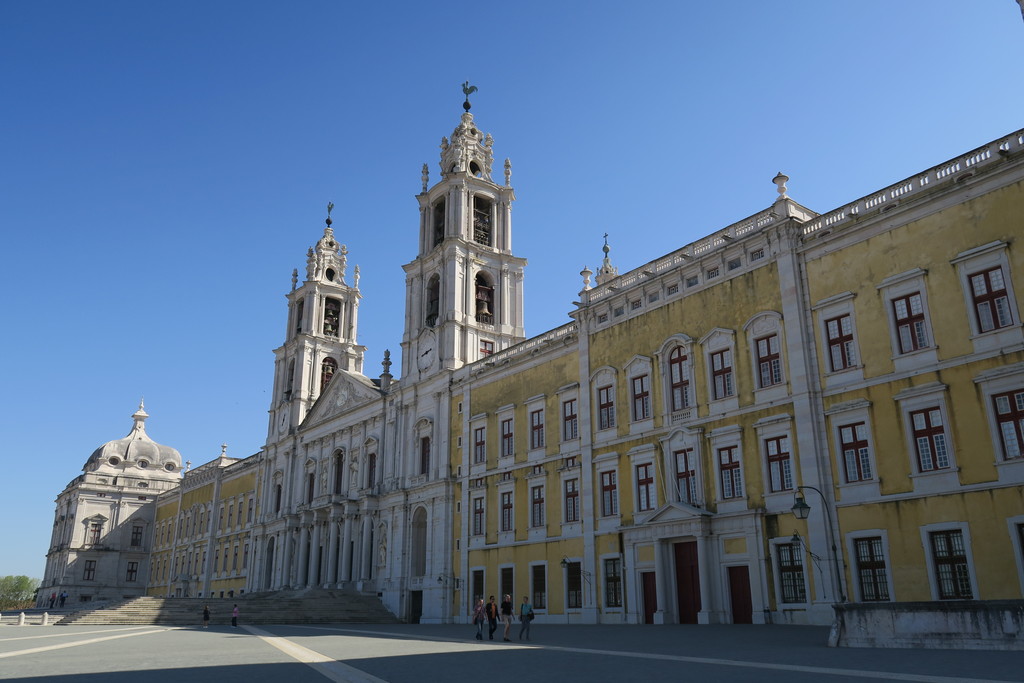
x=950 y=562
x=929 y=438
x=871 y=574
x=764 y=333
x=837 y=331
x=638 y=372
x=790 y=575
x=905 y=297
x=720 y=358
x=992 y=313
x=603 y=386
x=1002 y=389
x=478 y=515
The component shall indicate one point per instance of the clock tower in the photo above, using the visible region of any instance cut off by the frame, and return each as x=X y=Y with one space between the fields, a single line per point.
x=321 y=333
x=464 y=290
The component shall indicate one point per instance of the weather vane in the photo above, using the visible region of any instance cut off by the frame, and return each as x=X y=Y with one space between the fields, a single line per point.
x=330 y=205
x=468 y=90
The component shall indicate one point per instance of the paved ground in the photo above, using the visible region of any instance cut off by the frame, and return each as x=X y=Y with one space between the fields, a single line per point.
x=414 y=653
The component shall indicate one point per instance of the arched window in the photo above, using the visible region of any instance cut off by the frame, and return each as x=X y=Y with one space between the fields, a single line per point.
x=339 y=468
x=433 y=300
x=327 y=368
x=438 y=222
x=484 y=300
x=332 y=316
x=371 y=469
x=289 y=380
x=419 y=543
x=482 y=221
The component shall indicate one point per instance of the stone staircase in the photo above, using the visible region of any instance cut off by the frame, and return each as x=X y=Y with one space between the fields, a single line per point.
x=307 y=607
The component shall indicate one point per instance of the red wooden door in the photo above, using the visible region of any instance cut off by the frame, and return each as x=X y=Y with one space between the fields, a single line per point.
x=739 y=595
x=650 y=589
x=687 y=581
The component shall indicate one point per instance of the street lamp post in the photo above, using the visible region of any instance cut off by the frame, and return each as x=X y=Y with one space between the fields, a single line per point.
x=802 y=510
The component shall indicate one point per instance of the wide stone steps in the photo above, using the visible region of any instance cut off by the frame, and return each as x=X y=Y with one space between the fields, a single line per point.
x=318 y=607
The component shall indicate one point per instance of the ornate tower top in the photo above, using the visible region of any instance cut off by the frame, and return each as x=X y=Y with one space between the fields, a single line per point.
x=329 y=260
x=607 y=271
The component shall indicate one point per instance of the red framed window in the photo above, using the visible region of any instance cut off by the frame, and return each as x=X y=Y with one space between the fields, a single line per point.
x=508 y=444
x=951 y=571
x=929 y=440
x=572 y=500
x=729 y=470
x=537 y=506
x=871 y=572
x=721 y=373
x=840 y=342
x=769 y=362
x=486 y=347
x=506 y=510
x=613 y=582
x=537 y=428
x=791 y=572
x=424 y=454
x=136 y=539
x=780 y=464
x=1010 y=418
x=679 y=386
x=686 y=476
x=605 y=407
x=95 y=531
x=480 y=444
x=609 y=494
x=570 y=420
x=908 y=312
x=641 y=397
x=991 y=302
x=478 y=516
x=645 y=495
x=853 y=444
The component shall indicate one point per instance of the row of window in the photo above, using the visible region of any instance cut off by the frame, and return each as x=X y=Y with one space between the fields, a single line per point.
x=131 y=571
x=197 y=522
x=193 y=562
x=575 y=580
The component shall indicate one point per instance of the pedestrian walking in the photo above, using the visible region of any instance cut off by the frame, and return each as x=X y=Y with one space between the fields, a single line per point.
x=506 y=614
x=206 y=616
x=53 y=599
x=525 y=617
x=63 y=597
x=234 y=616
x=478 y=618
x=492 y=618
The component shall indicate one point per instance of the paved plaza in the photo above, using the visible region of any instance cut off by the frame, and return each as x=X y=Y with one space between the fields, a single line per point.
x=416 y=653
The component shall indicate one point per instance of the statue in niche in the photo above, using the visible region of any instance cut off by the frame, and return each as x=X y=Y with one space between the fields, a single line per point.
x=382 y=549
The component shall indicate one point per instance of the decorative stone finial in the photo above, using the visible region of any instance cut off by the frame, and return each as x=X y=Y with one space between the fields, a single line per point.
x=607 y=271
x=330 y=206
x=188 y=465
x=356 y=278
x=224 y=446
x=468 y=90
x=426 y=177
x=295 y=278
x=780 y=181
x=586 y=273
x=508 y=172
x=140 y=416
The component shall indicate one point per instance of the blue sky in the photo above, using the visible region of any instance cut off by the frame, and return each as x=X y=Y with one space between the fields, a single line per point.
x=166 y=165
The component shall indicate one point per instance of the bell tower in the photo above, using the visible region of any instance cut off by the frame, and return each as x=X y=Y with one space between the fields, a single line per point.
x=320 y=337
x=464 y=290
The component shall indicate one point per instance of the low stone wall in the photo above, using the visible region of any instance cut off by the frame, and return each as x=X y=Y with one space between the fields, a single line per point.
x=960 y=625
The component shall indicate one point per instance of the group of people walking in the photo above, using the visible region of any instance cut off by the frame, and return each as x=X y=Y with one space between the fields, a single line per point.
x=491 y=612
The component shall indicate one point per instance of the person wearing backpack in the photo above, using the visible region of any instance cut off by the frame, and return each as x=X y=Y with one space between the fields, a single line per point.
x=492 y=618
x=525 y=617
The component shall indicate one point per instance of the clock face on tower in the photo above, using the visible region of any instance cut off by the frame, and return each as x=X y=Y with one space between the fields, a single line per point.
x=426 y=351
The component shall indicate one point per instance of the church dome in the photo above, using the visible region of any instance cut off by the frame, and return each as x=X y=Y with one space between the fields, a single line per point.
x=136 y=450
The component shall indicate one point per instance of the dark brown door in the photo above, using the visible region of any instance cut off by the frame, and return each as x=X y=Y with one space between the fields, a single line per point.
x=687 y=581
x=739 y=595
x=650 y=588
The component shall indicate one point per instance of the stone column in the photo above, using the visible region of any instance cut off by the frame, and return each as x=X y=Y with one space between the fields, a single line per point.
x=314 y=556
x=332 y=551
x=661 y=585
x=286 y=557
x=365 y=552
x=303 y=568
x=705 y=615
x=346 y=550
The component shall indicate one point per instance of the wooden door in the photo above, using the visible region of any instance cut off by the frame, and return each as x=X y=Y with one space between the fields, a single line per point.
x=649 y=585
x=739 y=595
x=687 y=581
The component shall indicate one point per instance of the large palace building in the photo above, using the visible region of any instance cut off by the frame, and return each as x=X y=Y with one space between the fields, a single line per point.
x=797 y=410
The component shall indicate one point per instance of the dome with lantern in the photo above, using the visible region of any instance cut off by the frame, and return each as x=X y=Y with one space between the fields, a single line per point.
x=135 y=452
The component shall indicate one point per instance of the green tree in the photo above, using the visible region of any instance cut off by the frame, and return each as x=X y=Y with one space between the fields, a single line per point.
x=17 y=591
